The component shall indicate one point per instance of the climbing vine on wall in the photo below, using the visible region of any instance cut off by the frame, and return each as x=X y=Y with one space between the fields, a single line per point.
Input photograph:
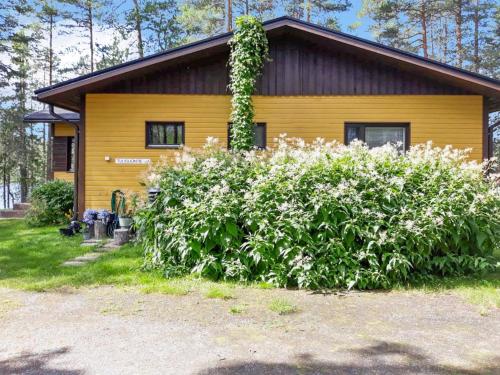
x=249 y=51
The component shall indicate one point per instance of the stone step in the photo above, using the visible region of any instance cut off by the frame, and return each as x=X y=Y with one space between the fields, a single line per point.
x=8 y=214
x=22 y=206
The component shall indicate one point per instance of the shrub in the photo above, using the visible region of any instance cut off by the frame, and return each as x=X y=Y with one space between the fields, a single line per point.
x=50 y=203
x=321 y=216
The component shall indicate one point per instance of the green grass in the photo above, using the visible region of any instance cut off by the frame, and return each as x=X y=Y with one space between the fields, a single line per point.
x=282 y=306
x=237 y=309
x=31 y=258
x=481 y=290
x=219 y=292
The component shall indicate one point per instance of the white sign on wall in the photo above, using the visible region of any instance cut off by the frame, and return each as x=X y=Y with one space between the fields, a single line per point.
x=132 y=161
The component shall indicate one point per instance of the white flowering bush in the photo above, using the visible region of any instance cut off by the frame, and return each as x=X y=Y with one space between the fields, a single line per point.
x=322 y=215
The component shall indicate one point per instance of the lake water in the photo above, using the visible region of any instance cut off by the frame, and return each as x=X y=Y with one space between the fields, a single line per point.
x=14 y=188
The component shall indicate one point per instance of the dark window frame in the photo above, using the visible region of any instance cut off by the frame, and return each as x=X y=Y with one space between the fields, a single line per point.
x=364 y=125
x=177 y=124
x=263 y=124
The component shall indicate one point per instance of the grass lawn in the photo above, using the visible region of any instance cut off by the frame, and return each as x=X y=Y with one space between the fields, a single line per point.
x=31 y=258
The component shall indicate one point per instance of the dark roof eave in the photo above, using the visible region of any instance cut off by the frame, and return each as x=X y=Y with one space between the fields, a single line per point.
x=44 y=116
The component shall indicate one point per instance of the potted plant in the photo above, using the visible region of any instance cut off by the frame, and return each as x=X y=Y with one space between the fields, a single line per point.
x=104 y=216
x=126 y=209
x=125 y=220
x=89 y=216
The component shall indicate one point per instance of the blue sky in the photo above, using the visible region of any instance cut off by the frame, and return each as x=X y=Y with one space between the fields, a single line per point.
x=350 y=17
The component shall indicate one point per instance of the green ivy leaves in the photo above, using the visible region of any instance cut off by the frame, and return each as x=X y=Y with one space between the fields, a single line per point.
x=249 y=51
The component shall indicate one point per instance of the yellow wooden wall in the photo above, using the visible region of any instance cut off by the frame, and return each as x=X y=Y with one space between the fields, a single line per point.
x=115 y=126
x=64 y=130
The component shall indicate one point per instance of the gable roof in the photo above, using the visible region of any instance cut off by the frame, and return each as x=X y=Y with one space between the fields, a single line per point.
x=473 y=82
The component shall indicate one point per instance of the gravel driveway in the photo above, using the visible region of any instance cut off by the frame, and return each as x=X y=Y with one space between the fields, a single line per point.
x=108 y=331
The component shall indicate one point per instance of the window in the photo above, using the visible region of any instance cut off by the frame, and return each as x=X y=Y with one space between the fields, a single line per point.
x=70 y=165
x=164 y=134
x=379 y=134
x=63 y=154
x=259 y=135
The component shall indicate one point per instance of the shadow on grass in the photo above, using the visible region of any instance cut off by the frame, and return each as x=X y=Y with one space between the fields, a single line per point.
x=379 y=358
x=36 y=363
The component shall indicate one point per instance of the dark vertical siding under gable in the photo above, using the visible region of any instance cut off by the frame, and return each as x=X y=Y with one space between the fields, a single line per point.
x=296 y=67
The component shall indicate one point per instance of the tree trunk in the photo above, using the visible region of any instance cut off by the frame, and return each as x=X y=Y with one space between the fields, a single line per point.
x=91 y=35
x=475 y=19
x=229 y=15
x=458 y=32
x=308 y=10
x=23 y=163
x=247 y=8
x=4 y=185
x=51 y=51
x=423 y=19
x=432 y=37
x=121 y=236
x=8 y=192
x=99 y=230
x=138 y=28
x=23 y=182
x=445 y=47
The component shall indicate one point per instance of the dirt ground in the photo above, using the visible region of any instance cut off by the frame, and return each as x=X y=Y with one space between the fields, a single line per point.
x=107 y=330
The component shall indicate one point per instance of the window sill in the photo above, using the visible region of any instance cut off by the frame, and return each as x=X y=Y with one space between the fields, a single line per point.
x=167 y=147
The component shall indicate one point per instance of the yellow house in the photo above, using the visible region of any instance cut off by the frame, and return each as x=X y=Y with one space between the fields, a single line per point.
x=317 y=83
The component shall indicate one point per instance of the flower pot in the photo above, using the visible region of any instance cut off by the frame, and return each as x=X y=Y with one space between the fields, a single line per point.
x=125 y=222
x=87 y=236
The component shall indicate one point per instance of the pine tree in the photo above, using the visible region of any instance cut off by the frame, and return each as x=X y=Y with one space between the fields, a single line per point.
x=478 y=15
x=112 y=54
x=389 y=26
x=14 y=73
x=318 y=11
x=135 y=16
x=162 y=27
x=11 y=12
x=490 y=55
x=202 y=18
x=324 y=11
x=457 y=9
x=262 y=9
x=155 y=25
x=294 y=8
x=20 y=79
x=86 y=15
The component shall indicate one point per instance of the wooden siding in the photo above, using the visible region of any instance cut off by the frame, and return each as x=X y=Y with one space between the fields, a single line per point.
x=63 y=130
x=115 y=126
x=66 y=176
x=296 y=67
x=59 y=153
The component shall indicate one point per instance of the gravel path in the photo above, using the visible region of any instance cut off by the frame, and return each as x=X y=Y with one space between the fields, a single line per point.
x=114 y=331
